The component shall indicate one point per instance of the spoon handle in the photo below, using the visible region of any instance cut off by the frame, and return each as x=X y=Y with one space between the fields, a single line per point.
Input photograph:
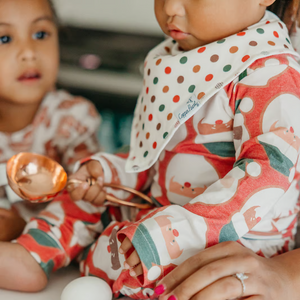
x=91 y=181
x=113 y=199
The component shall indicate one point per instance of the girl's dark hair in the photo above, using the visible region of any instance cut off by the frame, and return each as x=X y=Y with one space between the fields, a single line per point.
x=53 y=11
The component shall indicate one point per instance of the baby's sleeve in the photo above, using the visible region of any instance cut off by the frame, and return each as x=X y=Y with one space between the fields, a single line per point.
x=256 y=202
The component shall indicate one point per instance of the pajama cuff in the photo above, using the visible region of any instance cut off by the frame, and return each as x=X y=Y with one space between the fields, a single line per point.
x=147 y=252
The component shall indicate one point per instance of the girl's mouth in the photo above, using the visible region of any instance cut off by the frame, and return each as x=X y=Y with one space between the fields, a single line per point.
x=30 y=76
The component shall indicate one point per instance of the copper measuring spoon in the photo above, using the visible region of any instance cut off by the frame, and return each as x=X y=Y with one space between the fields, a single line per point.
x=37 y=178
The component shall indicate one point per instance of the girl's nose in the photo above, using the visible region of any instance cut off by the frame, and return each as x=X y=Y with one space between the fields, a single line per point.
x=27 y=52
x=174 y=8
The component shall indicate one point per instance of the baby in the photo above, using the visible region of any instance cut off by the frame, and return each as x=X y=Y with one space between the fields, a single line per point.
x=34 y=117
x=215 y=138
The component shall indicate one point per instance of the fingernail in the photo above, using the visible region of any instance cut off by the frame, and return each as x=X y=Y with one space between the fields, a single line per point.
x=172 y=298
x=121 y=251
x=85 y=186
x=126 y=266
x=100 y=180
x=72 y=186
x=159 y=289
x=132 y=273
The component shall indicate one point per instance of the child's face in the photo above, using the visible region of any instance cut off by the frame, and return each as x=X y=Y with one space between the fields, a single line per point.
x=193 y=23
x=29 y=56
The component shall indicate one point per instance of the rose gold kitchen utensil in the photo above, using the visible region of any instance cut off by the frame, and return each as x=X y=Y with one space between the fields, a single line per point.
x=37 y=178
x=115 y=200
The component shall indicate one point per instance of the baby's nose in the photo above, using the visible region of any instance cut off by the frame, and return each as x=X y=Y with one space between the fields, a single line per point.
x=174 y=8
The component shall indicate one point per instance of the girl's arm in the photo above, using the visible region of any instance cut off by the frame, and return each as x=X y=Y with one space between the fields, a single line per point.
x=76 y=133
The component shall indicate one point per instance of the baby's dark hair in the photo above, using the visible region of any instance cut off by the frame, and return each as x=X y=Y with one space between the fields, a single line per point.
x=287 y=11
x=279 y=7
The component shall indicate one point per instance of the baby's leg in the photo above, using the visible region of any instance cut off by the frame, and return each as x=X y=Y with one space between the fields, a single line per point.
x=103 y=260
x=60 y=232
x=19 y=270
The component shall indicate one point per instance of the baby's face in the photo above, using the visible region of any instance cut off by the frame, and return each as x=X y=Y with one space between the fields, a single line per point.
x=29 y=56
x=194 y=23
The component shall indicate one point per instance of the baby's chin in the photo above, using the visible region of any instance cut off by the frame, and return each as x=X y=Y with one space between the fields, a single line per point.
x=187 y=45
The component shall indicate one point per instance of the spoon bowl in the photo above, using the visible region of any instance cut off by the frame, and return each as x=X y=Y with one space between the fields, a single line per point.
x=38 y=178
x=35 y=177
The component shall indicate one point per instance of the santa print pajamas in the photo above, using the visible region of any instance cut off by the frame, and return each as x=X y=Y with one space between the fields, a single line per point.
x=64 y=129
x=228 y=173
x=215 y=138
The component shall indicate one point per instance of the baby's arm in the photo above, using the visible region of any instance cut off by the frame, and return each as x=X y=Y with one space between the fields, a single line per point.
x=266 y=146
x=18 y=269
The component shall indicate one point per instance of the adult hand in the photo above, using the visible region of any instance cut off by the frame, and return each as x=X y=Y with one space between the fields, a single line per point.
x=95 y=193
x=208 y=275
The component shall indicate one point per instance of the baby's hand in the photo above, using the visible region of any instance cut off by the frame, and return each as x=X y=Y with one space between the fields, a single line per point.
x=11 y=225
x=84 y=191
x=133 y=262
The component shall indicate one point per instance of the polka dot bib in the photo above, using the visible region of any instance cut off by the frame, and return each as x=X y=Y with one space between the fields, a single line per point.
x=178 y=83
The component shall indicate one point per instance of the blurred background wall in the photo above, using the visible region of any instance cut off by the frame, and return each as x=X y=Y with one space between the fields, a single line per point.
x=103 y=47
x=117 y=15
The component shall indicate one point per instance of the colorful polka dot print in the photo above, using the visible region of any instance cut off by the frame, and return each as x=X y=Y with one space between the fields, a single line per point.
x=178 y=83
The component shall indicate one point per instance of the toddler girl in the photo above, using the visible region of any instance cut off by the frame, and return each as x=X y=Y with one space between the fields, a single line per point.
x=34 y=117
x=214 y=138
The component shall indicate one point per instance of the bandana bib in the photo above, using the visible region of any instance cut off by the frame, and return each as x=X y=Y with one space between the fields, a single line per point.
x=178 y=83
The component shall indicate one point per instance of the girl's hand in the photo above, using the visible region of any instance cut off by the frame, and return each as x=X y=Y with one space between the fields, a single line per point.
x=95 y=193
x=208 y=275
x=11 y=225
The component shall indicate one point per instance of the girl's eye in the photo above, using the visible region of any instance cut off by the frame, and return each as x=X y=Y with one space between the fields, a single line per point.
x=41 y=35
x=5 y=39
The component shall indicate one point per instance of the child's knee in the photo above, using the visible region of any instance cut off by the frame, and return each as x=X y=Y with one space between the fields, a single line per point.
x=37 y=282
x=19 y=270
x=34 y=278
